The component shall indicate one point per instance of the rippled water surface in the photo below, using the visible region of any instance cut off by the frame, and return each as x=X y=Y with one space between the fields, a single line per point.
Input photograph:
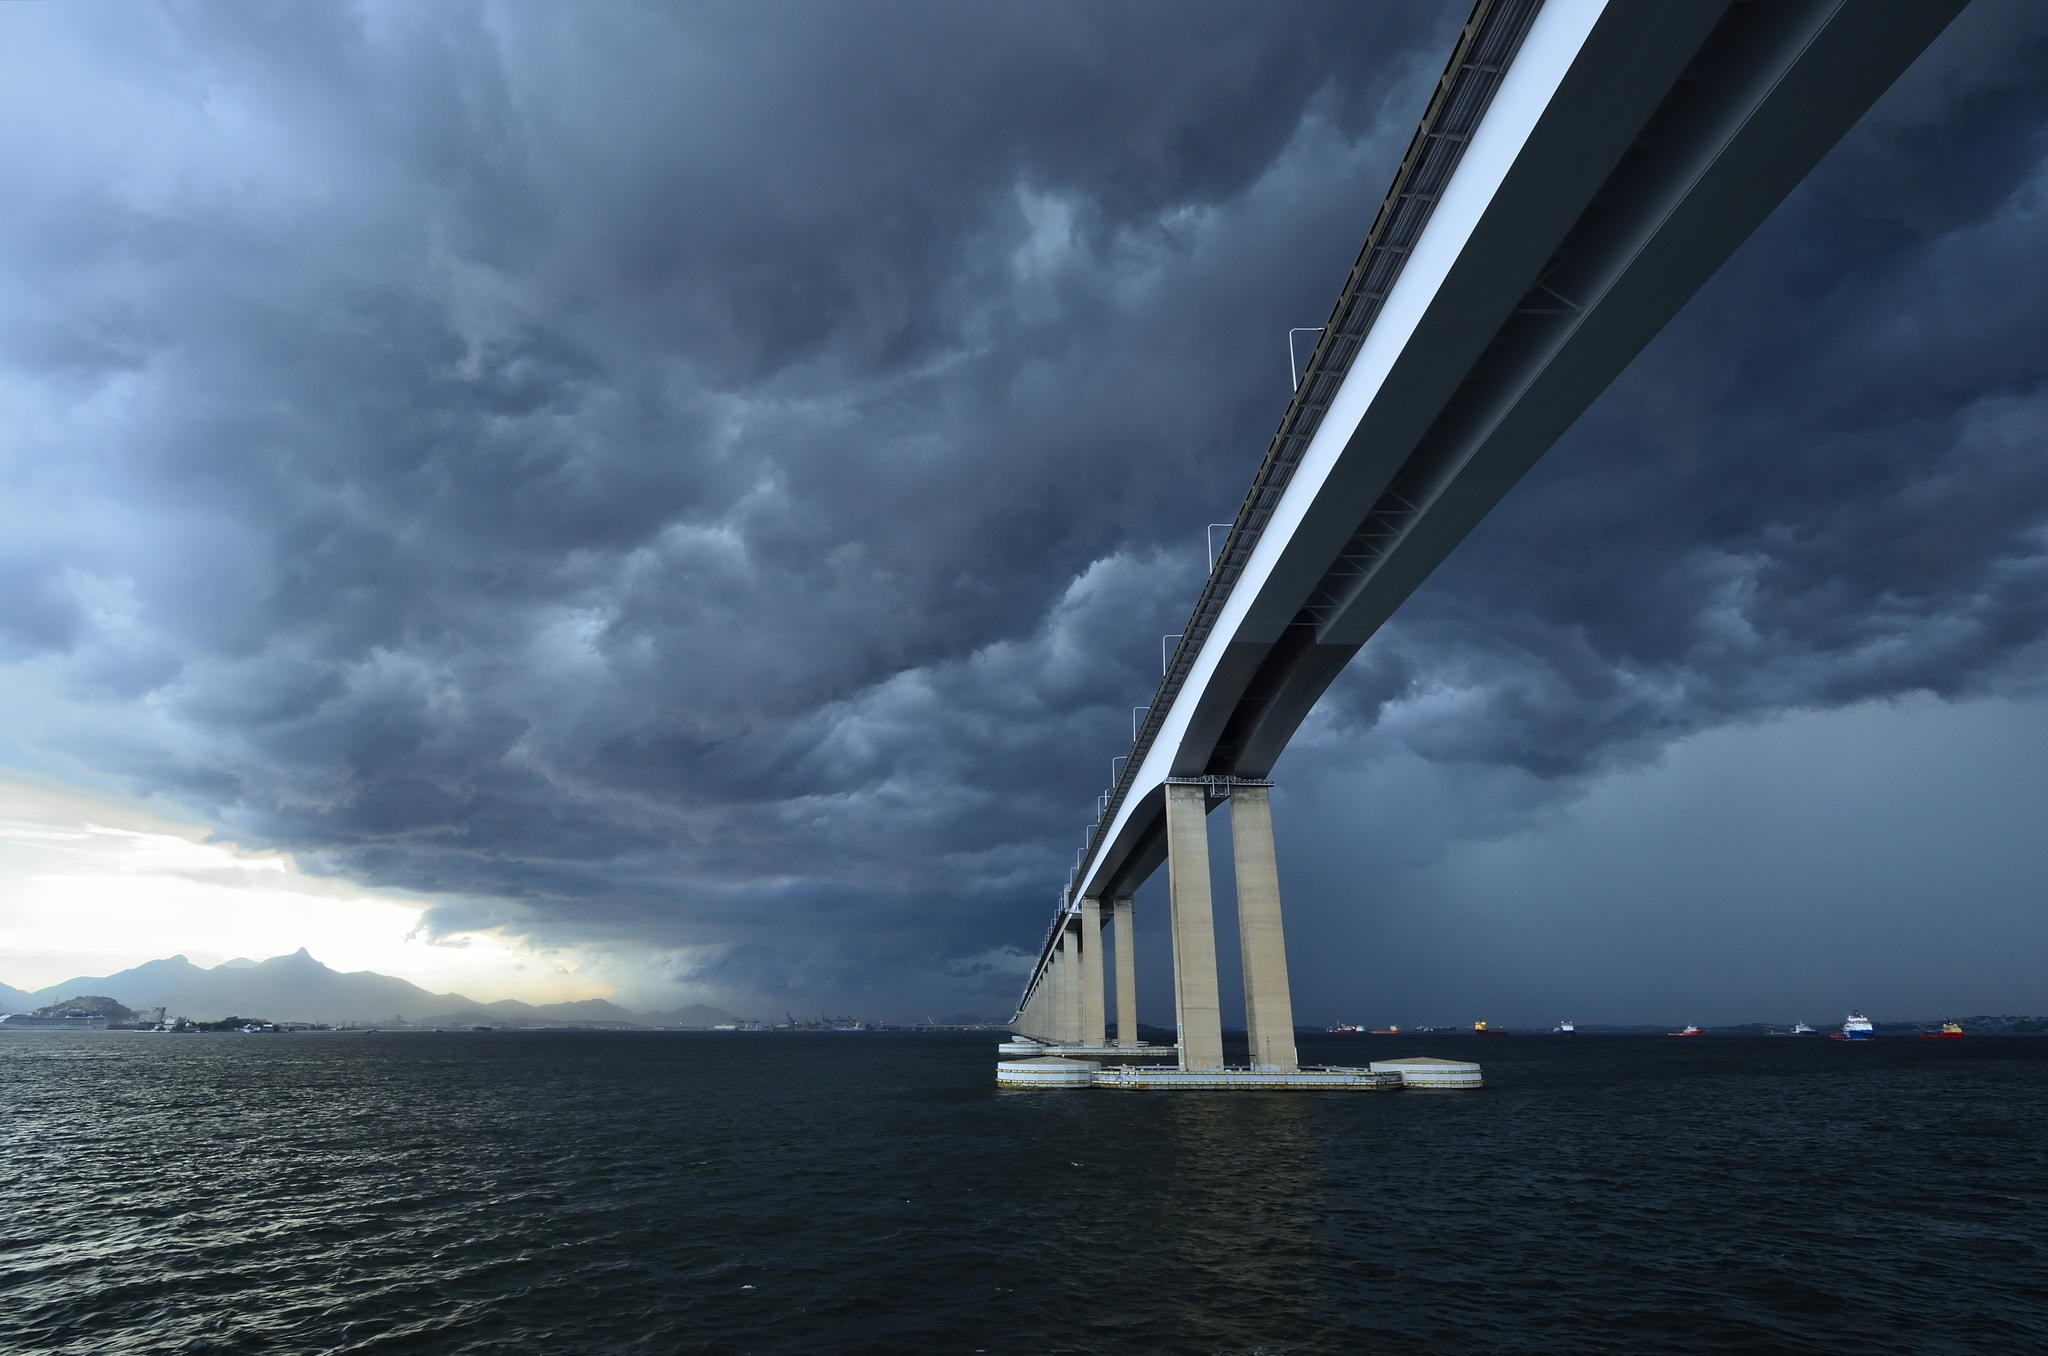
x=566 y=1193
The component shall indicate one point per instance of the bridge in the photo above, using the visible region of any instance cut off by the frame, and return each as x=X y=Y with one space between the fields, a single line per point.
x=1583 y=166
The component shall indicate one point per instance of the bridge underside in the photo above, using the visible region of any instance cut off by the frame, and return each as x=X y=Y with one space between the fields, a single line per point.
x=1643 y=144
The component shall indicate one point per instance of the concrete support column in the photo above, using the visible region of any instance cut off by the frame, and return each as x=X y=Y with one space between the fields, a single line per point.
x=1055 y=994
x=1070 y=987
x=1198 y=1017
x=1268 y=1003
x=1091 y=973
x=1126 y=972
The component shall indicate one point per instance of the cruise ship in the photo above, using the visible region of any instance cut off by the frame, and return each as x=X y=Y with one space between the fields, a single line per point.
x=1857 y=1028
x=69 y=1021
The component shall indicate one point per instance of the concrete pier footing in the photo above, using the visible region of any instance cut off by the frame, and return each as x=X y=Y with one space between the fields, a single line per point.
x=1062 y=1023
x=1047 y=1071
x=1390 y=1075
x=1421 y=1071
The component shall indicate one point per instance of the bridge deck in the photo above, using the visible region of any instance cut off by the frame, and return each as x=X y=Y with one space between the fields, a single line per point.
x=1582 y=169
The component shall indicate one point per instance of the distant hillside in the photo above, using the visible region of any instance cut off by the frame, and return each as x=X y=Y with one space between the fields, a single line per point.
x=284 y=988
x=298 y=988
x=98 y=1004
x=696 y=1016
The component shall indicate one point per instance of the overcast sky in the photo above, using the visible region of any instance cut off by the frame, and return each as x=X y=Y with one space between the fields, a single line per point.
x=697 y=489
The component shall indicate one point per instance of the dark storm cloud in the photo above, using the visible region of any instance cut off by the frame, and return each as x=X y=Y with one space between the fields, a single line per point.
x=654 y=475
x=713 y=477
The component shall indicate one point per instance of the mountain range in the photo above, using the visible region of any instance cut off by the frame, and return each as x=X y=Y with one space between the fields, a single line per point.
x=301 y=989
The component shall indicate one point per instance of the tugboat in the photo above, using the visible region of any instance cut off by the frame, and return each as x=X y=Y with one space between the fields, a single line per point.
x=1950 y=1031
x=1801 y=1029
x=1857 y=1028
x=1690 y=1030
x=1563 y=1028
x=1482 y=1029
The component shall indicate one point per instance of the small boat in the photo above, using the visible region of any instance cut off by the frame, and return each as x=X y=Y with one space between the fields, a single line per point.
x=1482 y=1029
x=1563 y=1028
x=1950 y=1031
x=1690 y=1030
x=1857 y=1028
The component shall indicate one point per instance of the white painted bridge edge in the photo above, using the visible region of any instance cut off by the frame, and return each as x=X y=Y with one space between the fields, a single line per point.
x=1552 y=43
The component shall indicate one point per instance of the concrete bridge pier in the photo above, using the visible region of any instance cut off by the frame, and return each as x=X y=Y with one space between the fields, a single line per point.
x=1126 y=973
x=1197 y=1010
x=1090 y=938
x=1070 y=990
x=1268 y=1000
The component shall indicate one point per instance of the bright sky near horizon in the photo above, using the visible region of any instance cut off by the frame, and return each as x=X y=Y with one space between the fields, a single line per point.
x=89 y=886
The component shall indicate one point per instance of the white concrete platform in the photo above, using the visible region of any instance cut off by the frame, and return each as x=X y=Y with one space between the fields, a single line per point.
x=1141 y=1076
x=1046 y=1072
x=1421 y=1071
x=1050 y=1070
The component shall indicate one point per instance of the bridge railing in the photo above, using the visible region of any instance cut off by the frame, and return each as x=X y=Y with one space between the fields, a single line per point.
x=1486 y=45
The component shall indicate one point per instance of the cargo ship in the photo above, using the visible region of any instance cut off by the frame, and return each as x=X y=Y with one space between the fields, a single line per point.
x=1857 y=1028
x=1385 y=1031
x=1345 y=1029
x=1690 y=1030
x=1950 y=1031
x=1482 y=1029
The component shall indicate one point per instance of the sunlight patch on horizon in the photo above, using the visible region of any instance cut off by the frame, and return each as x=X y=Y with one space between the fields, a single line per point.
x=89 y=886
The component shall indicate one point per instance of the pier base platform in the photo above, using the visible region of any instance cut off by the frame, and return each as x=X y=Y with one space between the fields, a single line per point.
x=1141 y=1076
x=1386 y=1075
x=1046 y=1071
x=1420 y=1071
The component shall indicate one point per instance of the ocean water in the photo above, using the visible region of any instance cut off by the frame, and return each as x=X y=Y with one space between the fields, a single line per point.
x=731 y=1193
